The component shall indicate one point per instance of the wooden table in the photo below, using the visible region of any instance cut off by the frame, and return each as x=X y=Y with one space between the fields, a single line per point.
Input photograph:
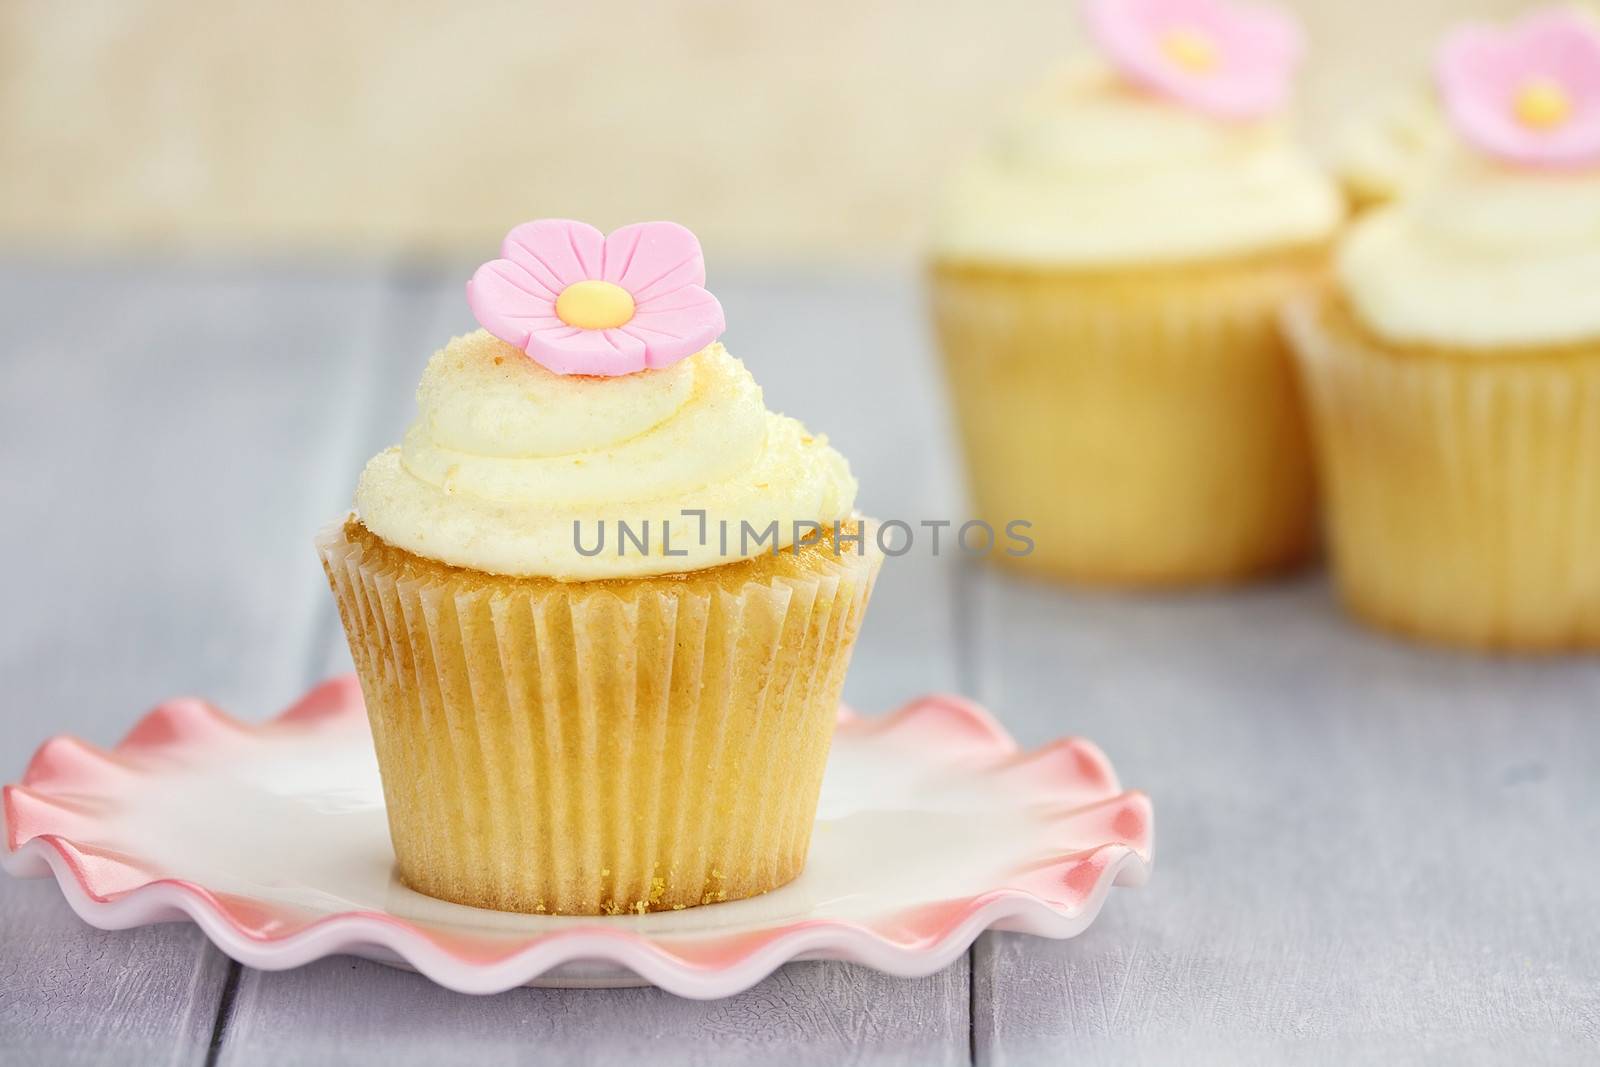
x=1365 y=850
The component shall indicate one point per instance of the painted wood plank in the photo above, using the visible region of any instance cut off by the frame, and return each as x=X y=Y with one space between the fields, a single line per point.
x=73 y=994
x=163 y=432
x=344 y=1011
x=827 y=352
x=1365 y=850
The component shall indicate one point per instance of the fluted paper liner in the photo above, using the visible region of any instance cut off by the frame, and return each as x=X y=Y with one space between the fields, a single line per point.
x=1463 y=488
x=599 y=747
x=1144 y=420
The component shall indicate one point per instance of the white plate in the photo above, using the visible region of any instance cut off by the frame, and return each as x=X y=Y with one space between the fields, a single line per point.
x=272 y=838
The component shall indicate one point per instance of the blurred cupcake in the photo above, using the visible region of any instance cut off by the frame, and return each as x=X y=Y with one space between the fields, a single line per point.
x=1454 y=368
x=1383 y=153
x=1106 y=281
x=600 y=640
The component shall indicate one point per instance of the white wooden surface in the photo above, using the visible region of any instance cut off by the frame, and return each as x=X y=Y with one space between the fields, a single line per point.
x=1364 y=850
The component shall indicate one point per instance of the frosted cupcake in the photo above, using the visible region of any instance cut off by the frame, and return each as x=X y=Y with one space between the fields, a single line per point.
x=1106 y=282
x=1454 y=368
x=1382 y=154
x=600 y=638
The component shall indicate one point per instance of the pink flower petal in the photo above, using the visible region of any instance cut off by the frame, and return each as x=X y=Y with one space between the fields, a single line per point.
x=676 y=325
x=653 y=258
x=1481 y=70
x=1256 y=51
x=558 y=252
x=1563 y=44
x=568 y=350
x=659 y=263
x=510 y=302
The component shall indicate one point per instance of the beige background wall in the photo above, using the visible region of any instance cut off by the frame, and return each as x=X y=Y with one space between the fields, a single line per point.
x=798 y=131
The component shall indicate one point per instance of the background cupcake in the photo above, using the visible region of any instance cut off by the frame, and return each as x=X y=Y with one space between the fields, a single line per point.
x=595 y=682
x=1105 y=283
x=1455 y=368
x=1384 y=152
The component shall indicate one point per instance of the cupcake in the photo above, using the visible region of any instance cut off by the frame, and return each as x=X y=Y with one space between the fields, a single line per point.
x=1383 y=153
x=1106 y=282
x=1453 y=365
x=600 y=600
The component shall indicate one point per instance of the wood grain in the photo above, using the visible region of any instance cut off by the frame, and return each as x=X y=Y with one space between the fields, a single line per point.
x=162 y=462
x=72 y=994
x=1364 y=850
x=342 y=1011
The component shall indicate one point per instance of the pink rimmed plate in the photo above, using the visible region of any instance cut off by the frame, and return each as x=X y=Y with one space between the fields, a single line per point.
x=933 y=827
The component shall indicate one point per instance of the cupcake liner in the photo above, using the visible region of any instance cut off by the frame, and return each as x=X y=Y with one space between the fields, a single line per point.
x=1463 y=488
x=599 y=747
x=1145 y=421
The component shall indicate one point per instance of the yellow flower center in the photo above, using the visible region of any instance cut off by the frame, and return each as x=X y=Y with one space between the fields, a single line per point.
x=1541 y=104
x=1190 y=49
x=594 y=305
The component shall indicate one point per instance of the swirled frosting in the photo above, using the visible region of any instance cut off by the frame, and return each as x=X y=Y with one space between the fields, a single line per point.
x=1095 y=173
x=506 y=457
x=1382 y=154
x=1482 y=256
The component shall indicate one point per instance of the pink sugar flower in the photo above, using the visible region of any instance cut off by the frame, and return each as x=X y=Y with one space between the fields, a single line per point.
x=1231 y=60
x=1529 y=92
x=580 y=302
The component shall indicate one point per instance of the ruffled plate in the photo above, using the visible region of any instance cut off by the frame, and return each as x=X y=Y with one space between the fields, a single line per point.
x=933 y=827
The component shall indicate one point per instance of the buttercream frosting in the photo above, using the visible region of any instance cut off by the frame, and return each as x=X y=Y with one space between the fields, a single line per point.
x=1483 y=255
x=1382 y=154
x=510 y=467
x=1094 y=172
